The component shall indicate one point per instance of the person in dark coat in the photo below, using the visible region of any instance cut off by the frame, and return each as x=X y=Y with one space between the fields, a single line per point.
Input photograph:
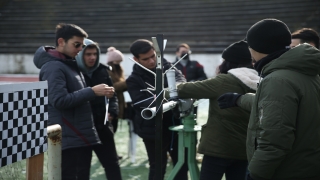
x=68 y=99
x=223 y=137
x=145 y=54
x=284 y=128
x=191 y=69
x=96 y=73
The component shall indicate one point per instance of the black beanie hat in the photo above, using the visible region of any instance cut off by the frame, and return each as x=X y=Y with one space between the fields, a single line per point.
x=269 y=35
x=237 y=52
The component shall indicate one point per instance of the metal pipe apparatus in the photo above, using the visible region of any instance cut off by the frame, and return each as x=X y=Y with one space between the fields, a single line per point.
x=184 y=105
x=159 y=45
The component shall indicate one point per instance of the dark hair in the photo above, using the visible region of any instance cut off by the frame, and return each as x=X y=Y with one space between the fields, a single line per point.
x=306 y=35
x=67 y=31
x=117 y=69
x=92 y=46
x=182 y=45
x=225 y=66
x=140 y=46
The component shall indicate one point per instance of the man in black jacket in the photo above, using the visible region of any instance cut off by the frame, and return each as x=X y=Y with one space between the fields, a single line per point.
x=68 y=99
x=96 y=73
x=145 y=54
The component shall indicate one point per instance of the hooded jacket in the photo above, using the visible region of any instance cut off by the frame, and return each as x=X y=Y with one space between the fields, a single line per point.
x=224 y=134
x=284 y=128
x=142 y=99
x=68 y=98
x=94 y=76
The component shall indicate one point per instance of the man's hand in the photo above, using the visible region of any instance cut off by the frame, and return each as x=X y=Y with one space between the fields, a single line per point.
x=228 y=100
x=110 y=118
x=103 y=90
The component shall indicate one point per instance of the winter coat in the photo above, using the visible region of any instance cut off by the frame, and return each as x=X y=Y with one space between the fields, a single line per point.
x=101 y=76
x=224 y=134
x=193 y=71
x=136 y=82
x=119 y=84
x=96 y=75
x=68 y=98
x=98 y=105
x=284 y=130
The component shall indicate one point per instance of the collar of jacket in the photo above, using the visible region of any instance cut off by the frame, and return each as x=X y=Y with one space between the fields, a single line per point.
x=264 y=61
x=141 y=71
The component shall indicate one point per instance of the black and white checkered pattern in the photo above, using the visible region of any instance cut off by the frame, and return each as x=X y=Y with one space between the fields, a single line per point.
x=23 y=124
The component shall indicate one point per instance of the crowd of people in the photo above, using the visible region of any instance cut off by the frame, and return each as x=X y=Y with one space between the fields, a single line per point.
x=263 y=119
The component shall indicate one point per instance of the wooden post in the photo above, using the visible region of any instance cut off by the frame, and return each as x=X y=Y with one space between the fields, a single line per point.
x=35 y=167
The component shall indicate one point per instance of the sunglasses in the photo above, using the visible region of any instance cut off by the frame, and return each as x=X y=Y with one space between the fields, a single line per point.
x=77 y=45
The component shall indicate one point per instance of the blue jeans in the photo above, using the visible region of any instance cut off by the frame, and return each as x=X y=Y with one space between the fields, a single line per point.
x=213 y=168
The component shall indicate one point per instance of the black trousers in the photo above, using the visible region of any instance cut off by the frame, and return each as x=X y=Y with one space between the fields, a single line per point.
x=213 y=168
x=115 y=123
x=169 y=144
x=76 y=162
x=107 y=153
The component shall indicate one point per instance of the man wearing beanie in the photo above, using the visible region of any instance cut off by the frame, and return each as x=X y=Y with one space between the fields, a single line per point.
x=284 y=127
x=223 y=137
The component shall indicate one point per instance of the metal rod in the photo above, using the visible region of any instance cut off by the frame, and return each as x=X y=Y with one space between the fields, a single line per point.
x=142 y=66
x=175 y=64
x=158 y=44
x=149 y=113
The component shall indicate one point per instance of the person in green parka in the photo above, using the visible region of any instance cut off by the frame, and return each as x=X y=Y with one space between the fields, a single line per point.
x=283 y=141
x=223 y=137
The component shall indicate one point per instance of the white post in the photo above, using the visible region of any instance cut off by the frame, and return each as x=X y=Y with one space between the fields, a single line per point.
x=54 y=152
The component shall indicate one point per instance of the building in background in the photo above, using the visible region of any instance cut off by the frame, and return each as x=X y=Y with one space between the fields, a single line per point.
x=208 y=26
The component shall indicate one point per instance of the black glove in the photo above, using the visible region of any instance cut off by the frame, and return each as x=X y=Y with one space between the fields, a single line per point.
x=228 y=100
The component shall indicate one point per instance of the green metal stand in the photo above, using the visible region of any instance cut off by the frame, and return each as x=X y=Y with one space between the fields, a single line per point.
x=187 y=134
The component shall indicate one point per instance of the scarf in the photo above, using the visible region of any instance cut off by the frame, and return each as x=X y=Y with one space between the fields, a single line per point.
x=258 y=66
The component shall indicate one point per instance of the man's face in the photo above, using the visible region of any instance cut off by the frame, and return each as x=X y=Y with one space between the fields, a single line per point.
x=72 y=47
x=294 y=42
x=90 y=57
x=148 y=59
x=182 y=50
x=256 y=56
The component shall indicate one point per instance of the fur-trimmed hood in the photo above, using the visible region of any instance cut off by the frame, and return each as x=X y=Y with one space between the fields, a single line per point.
x=249 y=77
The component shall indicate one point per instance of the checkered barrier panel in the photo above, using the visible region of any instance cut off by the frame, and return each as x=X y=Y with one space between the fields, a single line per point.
x=23 y=123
